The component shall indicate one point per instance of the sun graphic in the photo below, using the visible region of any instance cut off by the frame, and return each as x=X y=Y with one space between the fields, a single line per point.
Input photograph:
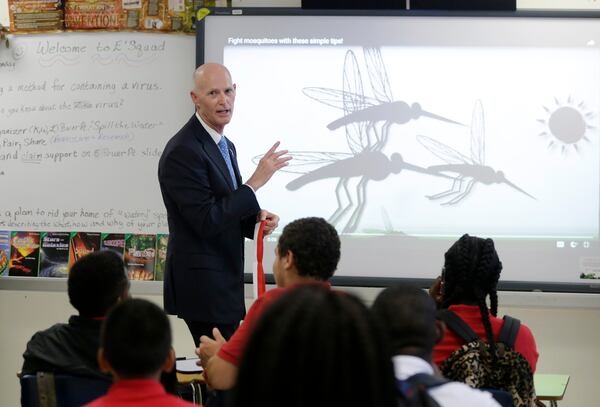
x=567 y=125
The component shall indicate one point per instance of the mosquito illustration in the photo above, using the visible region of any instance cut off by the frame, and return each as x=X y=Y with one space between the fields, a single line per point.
x=359 y=108
x=468 y=171
x=365 y=161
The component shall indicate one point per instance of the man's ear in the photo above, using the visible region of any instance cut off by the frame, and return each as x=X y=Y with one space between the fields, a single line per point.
x=289 y=260
x=169 y=364
x=103 y=362
x=440 y=329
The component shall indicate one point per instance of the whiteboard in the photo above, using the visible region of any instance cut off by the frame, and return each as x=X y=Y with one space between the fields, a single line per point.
x=83 y=121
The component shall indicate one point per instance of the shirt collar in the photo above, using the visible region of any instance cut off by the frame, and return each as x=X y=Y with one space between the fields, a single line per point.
x=406 y=366
x=211 y=132
x=132 y=389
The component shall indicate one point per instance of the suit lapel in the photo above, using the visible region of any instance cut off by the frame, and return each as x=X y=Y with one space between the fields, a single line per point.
x=212 y=151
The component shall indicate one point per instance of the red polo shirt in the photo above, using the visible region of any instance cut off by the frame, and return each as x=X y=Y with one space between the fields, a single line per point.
x=233 y=349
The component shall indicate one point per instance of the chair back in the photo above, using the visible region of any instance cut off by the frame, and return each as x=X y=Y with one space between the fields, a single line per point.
x=60 y=390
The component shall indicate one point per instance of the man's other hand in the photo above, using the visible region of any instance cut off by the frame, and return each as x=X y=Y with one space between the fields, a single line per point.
x=271 y=162
x=272 y=221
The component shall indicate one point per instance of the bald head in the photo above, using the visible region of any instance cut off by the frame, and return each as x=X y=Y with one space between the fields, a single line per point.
x=205 y=71
x=213 y=95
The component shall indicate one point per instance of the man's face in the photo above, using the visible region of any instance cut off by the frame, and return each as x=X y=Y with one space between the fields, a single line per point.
x=214 y=96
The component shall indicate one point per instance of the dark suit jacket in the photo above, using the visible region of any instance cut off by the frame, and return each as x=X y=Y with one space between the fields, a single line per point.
x=208 y=221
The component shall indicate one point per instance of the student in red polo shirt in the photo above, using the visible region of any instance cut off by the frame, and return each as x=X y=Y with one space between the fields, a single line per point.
x=135 y=347
x=307 y=252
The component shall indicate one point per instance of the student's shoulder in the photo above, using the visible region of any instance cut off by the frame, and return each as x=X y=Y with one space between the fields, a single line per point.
x=49 y=334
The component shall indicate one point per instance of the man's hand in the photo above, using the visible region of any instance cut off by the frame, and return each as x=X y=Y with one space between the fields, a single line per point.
x=272 y=221
x=268 y=164
x=209 y=347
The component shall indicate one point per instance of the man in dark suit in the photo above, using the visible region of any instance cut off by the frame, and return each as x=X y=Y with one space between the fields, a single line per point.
x=210 y=210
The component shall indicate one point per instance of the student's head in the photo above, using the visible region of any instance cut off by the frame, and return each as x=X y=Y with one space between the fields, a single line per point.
x=213 y=95
x=97 y=282
x=316 y=347
x=408 y=315
x=308 y=248
x=135 y=341
x=471 y=273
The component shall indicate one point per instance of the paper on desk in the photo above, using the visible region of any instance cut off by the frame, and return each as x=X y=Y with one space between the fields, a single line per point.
x=188 y=366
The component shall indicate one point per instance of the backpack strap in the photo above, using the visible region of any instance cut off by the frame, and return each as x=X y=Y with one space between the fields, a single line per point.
x=427 y=380
x=509 y=332
x=457 y=325
x=415 y=389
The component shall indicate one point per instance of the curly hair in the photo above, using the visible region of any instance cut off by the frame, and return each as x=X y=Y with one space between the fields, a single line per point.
x=471 y=273
x=315 y=245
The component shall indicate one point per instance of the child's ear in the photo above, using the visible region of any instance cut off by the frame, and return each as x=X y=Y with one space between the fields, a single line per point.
x=103 y=362
x=169 y=364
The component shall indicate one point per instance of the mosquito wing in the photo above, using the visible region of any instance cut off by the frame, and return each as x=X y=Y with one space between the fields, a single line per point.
x=443 y=152
x=356 y=134
x=306 y=161
x=336 y=98
x=478 y=134
x=378 y=75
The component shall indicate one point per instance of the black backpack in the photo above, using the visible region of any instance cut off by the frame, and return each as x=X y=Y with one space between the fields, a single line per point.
x=414 y=390
x=473 y=362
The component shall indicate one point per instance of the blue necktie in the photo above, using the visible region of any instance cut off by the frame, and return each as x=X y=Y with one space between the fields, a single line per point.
x=225 y=153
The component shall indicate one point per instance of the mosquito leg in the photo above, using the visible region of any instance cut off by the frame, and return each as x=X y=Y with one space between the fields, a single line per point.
x=463 y=195
x=340 y=212
x=384 y=135
x=369 y=130
x=457 y=182
x=334 y=216
x=361 y=193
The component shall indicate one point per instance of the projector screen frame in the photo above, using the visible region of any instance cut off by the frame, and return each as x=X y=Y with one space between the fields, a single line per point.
x=586 y=286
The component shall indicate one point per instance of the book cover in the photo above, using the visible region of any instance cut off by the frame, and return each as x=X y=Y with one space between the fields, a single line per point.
x=54 y=254
x=24 y=254
x=82 y=243
x=35 y=15
x=140 y=256
x=4 y=252
x=114 y=242
x=93 y=14
x=161 y=257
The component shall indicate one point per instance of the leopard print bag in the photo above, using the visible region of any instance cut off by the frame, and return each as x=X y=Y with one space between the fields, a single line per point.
x=473 y=363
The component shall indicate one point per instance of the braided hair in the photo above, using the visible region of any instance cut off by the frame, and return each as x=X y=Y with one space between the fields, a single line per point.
x=471 y=273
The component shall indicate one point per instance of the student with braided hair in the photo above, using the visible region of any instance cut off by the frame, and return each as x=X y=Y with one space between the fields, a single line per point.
x=470 y=274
